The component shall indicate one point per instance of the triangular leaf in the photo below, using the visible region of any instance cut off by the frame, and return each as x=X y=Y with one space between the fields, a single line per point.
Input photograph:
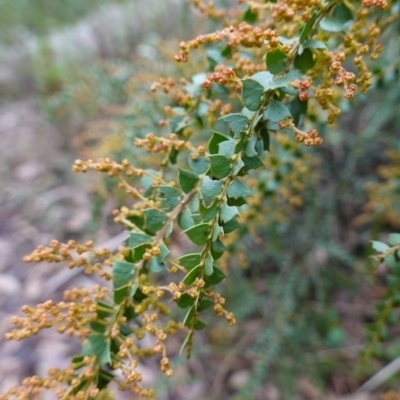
x=188 y=180
x=198 y=234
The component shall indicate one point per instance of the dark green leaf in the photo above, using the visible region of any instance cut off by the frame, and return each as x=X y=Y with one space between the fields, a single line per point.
x=208 y=213
x=250 y=16
x=215 y=140
x=103 y=309
x=304 y=61
x=231 y=226
x=188 y=180
x=307 y=29
x=220 y=166
x=192 y=275
x=120 y=293
x=342 y=13
x=198 y=234
x=190 y=261
x=252 y=163
x=199 y=325
x=185 y=301
x=217 y=277
x=189 y=316
x=205 y=303
x=251 y=94
x=139 y=251
x=276 y=61
x=297 y=109
x=103 y=379
x=217 y=249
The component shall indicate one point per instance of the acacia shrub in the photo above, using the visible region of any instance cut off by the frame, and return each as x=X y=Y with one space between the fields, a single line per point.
x=291 y=65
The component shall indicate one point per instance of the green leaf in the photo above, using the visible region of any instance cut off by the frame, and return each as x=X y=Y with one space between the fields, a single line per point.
x=265 y=138
x=103 y=379
x=208 y=265
x=264 y=78
x=185 y=220
x=103 y=309
x=231 y=226
x=171 y=195
x=252 y=163
x=190 y=261
x=217 y=249
x=155 y=265
x=199 y=325
x=185 y=301
x=303 y=62
x=217 y=277
x=276 y=61
x=394 y=238
x=192 y=275
x=188 y=180
x=227 y=213
x=331 y=24
x=312 y=44
x=123 y=273
x=216 y=232
x=139 y=251
x=307 y=29
x=134 y=289
x=342 y=13
x=164 y=252
x=210 y=189
x=215 y=140
x=250 y=16
x=208 y=213
x=227 y=148
x=220 y=166
x=120 y=293
x=100 y=347
x=136 y=239
x=251 y=94
x=250 y=146
x=379 y=246
x=238 y=189
x=200 y=165
x=237 y=122
x=189 y=316
x=276 y=112
x=297 y=109
x=204 y=303
x=198 y=234
x=154 y=219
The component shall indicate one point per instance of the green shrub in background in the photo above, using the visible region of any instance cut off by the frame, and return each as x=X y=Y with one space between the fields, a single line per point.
x=230 y=162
